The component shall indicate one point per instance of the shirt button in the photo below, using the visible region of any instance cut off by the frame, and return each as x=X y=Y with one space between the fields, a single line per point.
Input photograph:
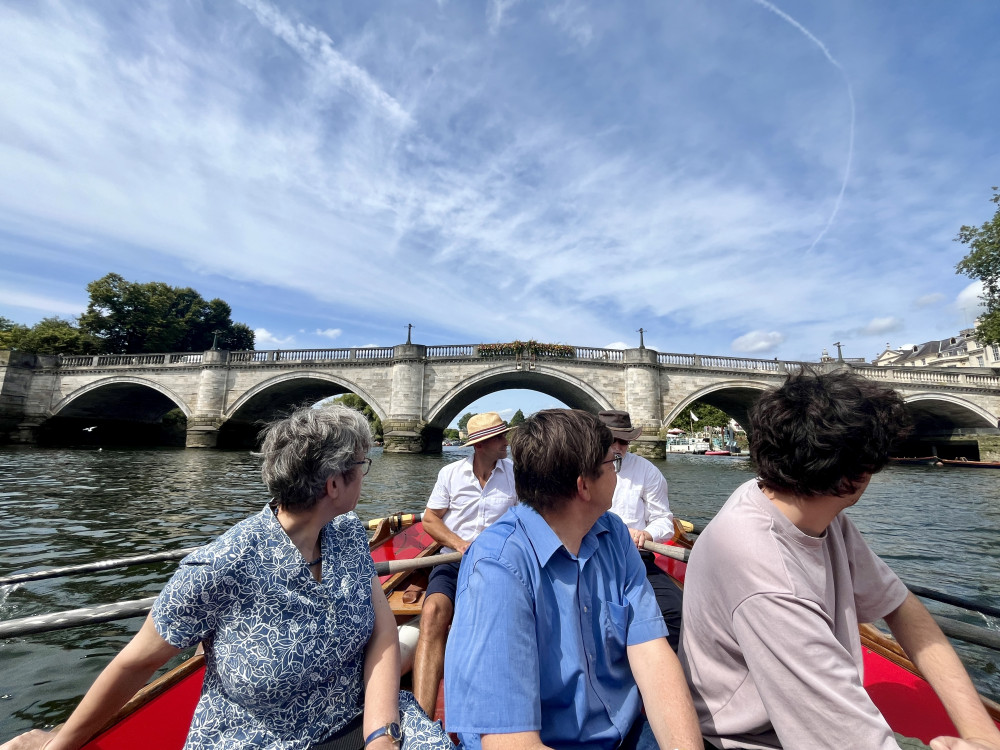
x=585 y=609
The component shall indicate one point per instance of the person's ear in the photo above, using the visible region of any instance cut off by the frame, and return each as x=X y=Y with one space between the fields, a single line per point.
x=333 y=484
x=583 y=487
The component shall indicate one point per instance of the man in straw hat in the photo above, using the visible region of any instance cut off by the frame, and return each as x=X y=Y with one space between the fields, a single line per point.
x=469 y=495
x=641 y=502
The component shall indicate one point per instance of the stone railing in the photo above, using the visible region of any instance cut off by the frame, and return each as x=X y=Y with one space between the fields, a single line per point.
x=600 y=355
x=353 y=354
x=726 y=363
x=448 y=351
x=950 y=376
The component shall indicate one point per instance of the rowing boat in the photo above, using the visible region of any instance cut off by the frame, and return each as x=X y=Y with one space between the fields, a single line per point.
x=965 y=463
x=158 y=717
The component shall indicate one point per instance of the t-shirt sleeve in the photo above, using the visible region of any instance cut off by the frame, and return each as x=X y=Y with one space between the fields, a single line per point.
x=440 y=498
x=807 y=681
x=187 y=608
x=661 y=519
x=491 y=661
x=878 y=591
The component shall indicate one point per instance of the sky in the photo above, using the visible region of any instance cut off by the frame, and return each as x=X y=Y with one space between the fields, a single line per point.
x=736 y=177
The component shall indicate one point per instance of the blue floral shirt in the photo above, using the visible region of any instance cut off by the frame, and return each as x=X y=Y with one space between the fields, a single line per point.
x=284 y=654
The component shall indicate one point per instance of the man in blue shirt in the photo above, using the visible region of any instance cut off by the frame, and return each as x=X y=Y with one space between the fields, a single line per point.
x=557 y=636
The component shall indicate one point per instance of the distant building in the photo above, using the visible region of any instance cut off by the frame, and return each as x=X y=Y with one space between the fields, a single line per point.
x=958 y=351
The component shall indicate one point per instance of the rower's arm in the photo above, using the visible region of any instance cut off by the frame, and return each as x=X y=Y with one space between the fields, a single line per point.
x=435 y=528
x=120 y=680
x=665 y=694
x=928 y=648
x=381 y=671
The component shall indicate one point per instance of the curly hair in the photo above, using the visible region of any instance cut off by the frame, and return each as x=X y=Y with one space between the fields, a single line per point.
x=301 y=451
x=550 y=449
x=821 y=434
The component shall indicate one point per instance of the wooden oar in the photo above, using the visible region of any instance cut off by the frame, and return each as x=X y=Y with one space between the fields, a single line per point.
x=405 y=519
x=123 y=562
x=677 y=553
x=137 y=607
x=955 y=601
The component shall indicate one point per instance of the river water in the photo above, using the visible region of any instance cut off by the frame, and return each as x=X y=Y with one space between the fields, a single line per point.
x=936 y=527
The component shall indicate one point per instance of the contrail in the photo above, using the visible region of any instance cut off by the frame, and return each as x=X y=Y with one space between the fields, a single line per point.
x=850 y=95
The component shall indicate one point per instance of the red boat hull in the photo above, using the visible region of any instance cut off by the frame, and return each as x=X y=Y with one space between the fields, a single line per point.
x=905 y=700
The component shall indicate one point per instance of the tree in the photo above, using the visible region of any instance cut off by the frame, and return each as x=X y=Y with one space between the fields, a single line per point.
x=983 y=263
x=354 y=401
x=708 y=416
x=450 y=434
x=129 y=317
x=48 y=336
x=517 y=419
x=463 y=421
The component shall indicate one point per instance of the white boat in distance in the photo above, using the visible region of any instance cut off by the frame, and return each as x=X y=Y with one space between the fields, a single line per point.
x=688 y=445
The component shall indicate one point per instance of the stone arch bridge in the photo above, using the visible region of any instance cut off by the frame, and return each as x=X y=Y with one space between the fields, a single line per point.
x=418 y=390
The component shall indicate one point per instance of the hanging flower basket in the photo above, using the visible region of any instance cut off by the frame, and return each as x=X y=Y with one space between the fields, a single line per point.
x=530 y=347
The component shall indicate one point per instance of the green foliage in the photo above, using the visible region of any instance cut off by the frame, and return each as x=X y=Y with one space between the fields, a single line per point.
x=48 y=336
x=450 y=434
x=463 y=421
x=354 y=401
x=517 y=419
x=129 y=317
x=983 y=263
x=708 y=416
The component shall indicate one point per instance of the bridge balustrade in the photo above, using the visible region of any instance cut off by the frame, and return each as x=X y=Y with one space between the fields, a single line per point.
x=599 y=355
x=451 y=350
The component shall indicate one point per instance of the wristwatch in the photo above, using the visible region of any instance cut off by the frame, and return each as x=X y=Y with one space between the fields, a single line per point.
x=392 y=729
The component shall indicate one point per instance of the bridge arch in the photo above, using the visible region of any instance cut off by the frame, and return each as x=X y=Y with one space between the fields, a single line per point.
x=734 y=397
x=293 y=388
x=934 y=412
x=121 y=396
x=562 y=385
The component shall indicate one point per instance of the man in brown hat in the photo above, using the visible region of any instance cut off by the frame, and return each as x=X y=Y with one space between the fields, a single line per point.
x=641 y=502
x=468 y=496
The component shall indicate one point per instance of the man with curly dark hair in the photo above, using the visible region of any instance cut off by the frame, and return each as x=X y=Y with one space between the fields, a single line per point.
x=780 y=579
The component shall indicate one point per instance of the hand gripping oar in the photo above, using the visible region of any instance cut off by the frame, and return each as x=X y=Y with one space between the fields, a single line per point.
x=138 y=607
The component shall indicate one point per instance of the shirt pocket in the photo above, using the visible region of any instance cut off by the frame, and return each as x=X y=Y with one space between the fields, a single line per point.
x=633 y=508
x=614 y=621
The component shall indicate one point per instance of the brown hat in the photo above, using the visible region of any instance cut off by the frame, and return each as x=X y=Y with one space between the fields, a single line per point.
x=485 y=426
x=620 y=425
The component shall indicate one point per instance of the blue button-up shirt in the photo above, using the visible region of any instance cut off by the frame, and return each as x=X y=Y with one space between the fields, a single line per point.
x=539 y=635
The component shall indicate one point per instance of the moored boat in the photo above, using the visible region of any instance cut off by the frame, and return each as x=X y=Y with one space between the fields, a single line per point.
x=965 y=463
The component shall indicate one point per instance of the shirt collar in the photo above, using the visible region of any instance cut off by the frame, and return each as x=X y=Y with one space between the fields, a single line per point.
x=544 y=540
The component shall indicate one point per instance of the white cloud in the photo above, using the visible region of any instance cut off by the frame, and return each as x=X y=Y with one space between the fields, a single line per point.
x=263 y=337
x=495 y=11
x=616 y=345
x=758 y=342
x=330 y=333
x=929 y=299
x=969 y=300
x=47 y=305
x=879 y=326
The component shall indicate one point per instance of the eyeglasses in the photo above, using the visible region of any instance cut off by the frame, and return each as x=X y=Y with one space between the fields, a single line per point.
x=617 y=461
x=367 y=463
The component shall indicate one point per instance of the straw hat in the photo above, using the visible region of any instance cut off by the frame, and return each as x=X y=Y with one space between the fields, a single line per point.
x=620 y=425
x=484 y=426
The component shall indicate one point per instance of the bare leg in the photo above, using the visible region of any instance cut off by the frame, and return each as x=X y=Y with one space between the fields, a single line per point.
x=428 y=661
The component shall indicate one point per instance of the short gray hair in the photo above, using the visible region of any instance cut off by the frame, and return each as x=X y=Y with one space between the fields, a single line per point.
x=304 y=449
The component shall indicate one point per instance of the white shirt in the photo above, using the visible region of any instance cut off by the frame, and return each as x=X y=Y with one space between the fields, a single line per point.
x=641 y=498
x=468 y=507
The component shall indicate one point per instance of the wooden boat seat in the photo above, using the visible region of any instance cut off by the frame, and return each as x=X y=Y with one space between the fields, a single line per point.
x=401 y=607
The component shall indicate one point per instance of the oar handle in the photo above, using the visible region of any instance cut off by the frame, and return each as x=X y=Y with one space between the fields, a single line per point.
x=677 y=553
x=391 y=567
x=405 y=519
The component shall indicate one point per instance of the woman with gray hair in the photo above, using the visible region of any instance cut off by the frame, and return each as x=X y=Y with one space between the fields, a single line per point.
x=297 y=631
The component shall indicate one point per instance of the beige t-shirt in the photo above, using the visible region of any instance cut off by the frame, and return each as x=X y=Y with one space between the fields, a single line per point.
x=770 y=640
